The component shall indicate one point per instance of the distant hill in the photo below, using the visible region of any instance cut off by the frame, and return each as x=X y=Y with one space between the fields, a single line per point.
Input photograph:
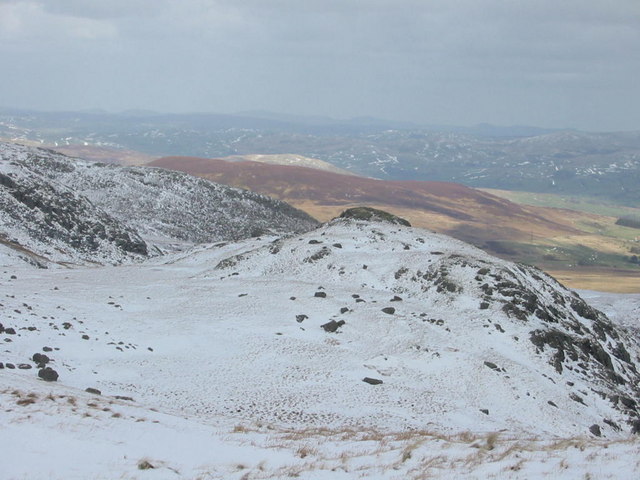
x=70 y=210
x=288 y=159
x=326 y=193
x=601 y=165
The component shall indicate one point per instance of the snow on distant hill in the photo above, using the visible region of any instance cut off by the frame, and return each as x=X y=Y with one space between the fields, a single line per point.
x=73 y=210
x=48 y=219
x=356 y=350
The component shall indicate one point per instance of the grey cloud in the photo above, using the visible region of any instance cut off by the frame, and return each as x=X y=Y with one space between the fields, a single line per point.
x=104 y=9
x=448 y=61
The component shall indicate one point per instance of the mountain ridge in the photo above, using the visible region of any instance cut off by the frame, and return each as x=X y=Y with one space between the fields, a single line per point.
x=167 y=209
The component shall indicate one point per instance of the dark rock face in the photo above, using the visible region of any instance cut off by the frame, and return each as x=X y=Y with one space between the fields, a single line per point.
x=372 y=381
x=389 y=310
x=595 y=430
x=48 y=374
x=320 y=295
x=94 y=391
x=373 y=215
x=491 y=365
x=301 y=318
x=332 y=326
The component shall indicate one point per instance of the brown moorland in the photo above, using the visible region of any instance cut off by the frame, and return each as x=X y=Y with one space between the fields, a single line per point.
x=551 y=238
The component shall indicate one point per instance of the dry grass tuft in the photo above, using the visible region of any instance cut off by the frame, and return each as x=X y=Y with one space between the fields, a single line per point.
x=305 y=451
x=144 y=464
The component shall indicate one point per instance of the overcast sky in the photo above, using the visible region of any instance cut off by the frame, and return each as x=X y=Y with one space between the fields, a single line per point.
x=550 y=63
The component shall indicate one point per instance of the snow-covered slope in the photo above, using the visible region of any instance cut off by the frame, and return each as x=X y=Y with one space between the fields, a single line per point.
x=470 y=334
x=450 y=339
x=72 y=210
x=39 y=217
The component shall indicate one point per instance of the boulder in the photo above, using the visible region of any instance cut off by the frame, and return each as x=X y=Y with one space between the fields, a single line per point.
x=372 y=381
x=40 y=359
x=332 y=326
x=48 y=374
x=595 y=430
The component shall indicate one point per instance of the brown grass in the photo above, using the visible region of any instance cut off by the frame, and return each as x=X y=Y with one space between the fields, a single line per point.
x=599 y=279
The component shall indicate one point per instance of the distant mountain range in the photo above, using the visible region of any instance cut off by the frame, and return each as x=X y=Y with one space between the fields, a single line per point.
x=605 y=165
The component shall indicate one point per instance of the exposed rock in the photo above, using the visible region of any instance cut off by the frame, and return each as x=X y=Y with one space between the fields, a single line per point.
x=48 y=374
x=24 y=366
x=372 y=381
x=389 y=310
x=332 y=326
x=595 y=430
x=320 y=294
x=301 y=318
x=94 y=391
x=373 y=215
x=40 y=359
x=123 y=397
x=492 y=366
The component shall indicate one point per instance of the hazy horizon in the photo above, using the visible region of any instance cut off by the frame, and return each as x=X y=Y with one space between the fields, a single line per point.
x=572 y=65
